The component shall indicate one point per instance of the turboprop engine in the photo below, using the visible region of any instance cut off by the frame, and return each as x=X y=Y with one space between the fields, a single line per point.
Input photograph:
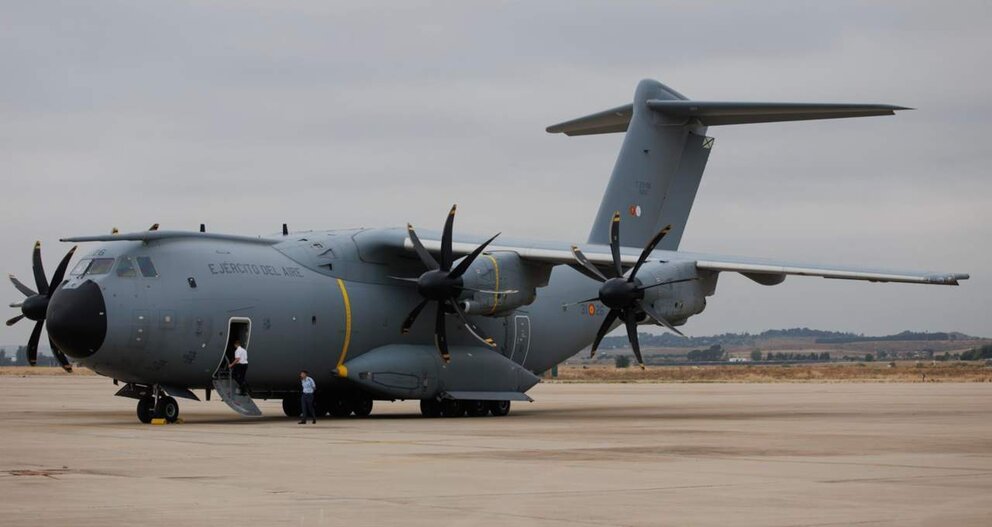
x=683 y=291
x=500 y=282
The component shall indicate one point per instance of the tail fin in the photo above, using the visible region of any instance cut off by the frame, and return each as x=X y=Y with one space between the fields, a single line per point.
x=665 y=150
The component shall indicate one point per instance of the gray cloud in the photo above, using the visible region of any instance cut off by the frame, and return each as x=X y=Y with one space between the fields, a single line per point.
x=244 y=115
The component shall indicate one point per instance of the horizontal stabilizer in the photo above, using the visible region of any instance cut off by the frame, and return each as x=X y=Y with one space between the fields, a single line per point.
x=719 y=113
x=605 y=122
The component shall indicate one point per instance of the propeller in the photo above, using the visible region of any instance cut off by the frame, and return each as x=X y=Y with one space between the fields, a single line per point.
x=623 y=295
x=35 y=304
x=442 y=285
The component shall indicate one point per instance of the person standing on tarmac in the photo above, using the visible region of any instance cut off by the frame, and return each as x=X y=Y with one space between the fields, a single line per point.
x=239 y=367
x=306 y=399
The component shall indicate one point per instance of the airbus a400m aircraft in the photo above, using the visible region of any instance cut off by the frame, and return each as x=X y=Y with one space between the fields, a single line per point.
x=462 y=323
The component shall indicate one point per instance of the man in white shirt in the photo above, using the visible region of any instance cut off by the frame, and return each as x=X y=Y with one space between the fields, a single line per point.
x=306 y=399
x=239 y=367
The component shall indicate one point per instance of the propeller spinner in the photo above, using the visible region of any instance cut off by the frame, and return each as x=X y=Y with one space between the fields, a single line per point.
x=35 y=305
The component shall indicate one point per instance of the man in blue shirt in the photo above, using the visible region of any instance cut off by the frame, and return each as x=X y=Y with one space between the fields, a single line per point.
x=306 y=400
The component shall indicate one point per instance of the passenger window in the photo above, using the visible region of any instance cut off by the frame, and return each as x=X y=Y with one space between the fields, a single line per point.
x=125 y=268
x=100 y=266
x=147 y=267
x=80 y=267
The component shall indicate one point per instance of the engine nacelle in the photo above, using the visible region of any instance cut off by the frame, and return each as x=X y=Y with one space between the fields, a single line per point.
x=677 y=302
x=501 y=271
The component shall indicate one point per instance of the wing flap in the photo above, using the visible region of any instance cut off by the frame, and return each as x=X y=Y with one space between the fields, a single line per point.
x=840 y=273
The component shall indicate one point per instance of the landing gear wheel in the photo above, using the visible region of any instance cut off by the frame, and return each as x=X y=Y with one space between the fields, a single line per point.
x=362 y=406
x=476 y=408
x=430 y=408
x=291 y=406
x=452 y=408
x=146 y=410
x=339 y=407
x=168 y=409
x=499 y=408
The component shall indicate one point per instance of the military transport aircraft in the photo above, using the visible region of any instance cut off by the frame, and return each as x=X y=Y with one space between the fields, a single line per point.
x=462 y=323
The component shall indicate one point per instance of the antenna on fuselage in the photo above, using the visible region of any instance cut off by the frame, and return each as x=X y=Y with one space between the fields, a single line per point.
x=203 y=228
x=154 y=227
x=285 y=230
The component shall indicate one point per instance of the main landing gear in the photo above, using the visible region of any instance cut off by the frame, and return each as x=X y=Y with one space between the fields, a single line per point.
x=335 y=405
x=455 y=408
x=167 y=408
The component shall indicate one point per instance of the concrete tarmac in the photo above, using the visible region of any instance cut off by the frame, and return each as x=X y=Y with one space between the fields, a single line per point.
x=583 y=454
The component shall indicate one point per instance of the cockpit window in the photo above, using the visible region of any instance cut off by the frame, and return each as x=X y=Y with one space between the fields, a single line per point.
x=80 y=267
x=100 y=266
x=125 y=268
x=147 y=267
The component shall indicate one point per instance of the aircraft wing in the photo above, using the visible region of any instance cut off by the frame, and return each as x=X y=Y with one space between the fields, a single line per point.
x=764 y=271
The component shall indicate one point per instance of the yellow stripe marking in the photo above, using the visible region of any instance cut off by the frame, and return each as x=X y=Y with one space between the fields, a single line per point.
x=341 y=369
x=496 y=294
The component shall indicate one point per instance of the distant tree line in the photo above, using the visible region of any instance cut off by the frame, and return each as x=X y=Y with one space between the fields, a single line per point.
x=783 y=356
x=710 y=354
x=669 y=340
x=20 y=358
x=984 y=352
x=904 y=336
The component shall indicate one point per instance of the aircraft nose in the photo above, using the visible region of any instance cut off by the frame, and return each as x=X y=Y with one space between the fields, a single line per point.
x=77 y=319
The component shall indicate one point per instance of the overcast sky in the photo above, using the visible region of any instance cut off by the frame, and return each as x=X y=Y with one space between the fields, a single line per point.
x=244 y=115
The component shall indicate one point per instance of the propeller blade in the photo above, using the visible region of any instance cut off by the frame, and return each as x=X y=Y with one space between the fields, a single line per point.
x=630 y=320
x=467 y=261
x=60 y=271
x=471 y=327
x=446 y=240
x=63 y=360
x=412 y=317
x=405 y=279
x=422 y=252
x=679 y=281
x=659 y=320
x=25 y=290
x=440 y=336
x=585 y=263
x=611 y=317
x=40 y=281
x=615 y=244
x=33 y=343
x=15 y=320
x=647 y=251
x=16 y=305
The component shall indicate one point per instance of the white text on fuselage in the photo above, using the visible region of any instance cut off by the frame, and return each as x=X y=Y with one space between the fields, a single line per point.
x=254 y=269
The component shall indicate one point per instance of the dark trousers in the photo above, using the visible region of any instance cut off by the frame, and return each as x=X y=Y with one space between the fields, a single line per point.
x=306 y=403
x=238 y=373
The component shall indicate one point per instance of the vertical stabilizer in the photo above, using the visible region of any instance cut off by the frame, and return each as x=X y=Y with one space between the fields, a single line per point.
x=656 y=173
x=664 y=153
